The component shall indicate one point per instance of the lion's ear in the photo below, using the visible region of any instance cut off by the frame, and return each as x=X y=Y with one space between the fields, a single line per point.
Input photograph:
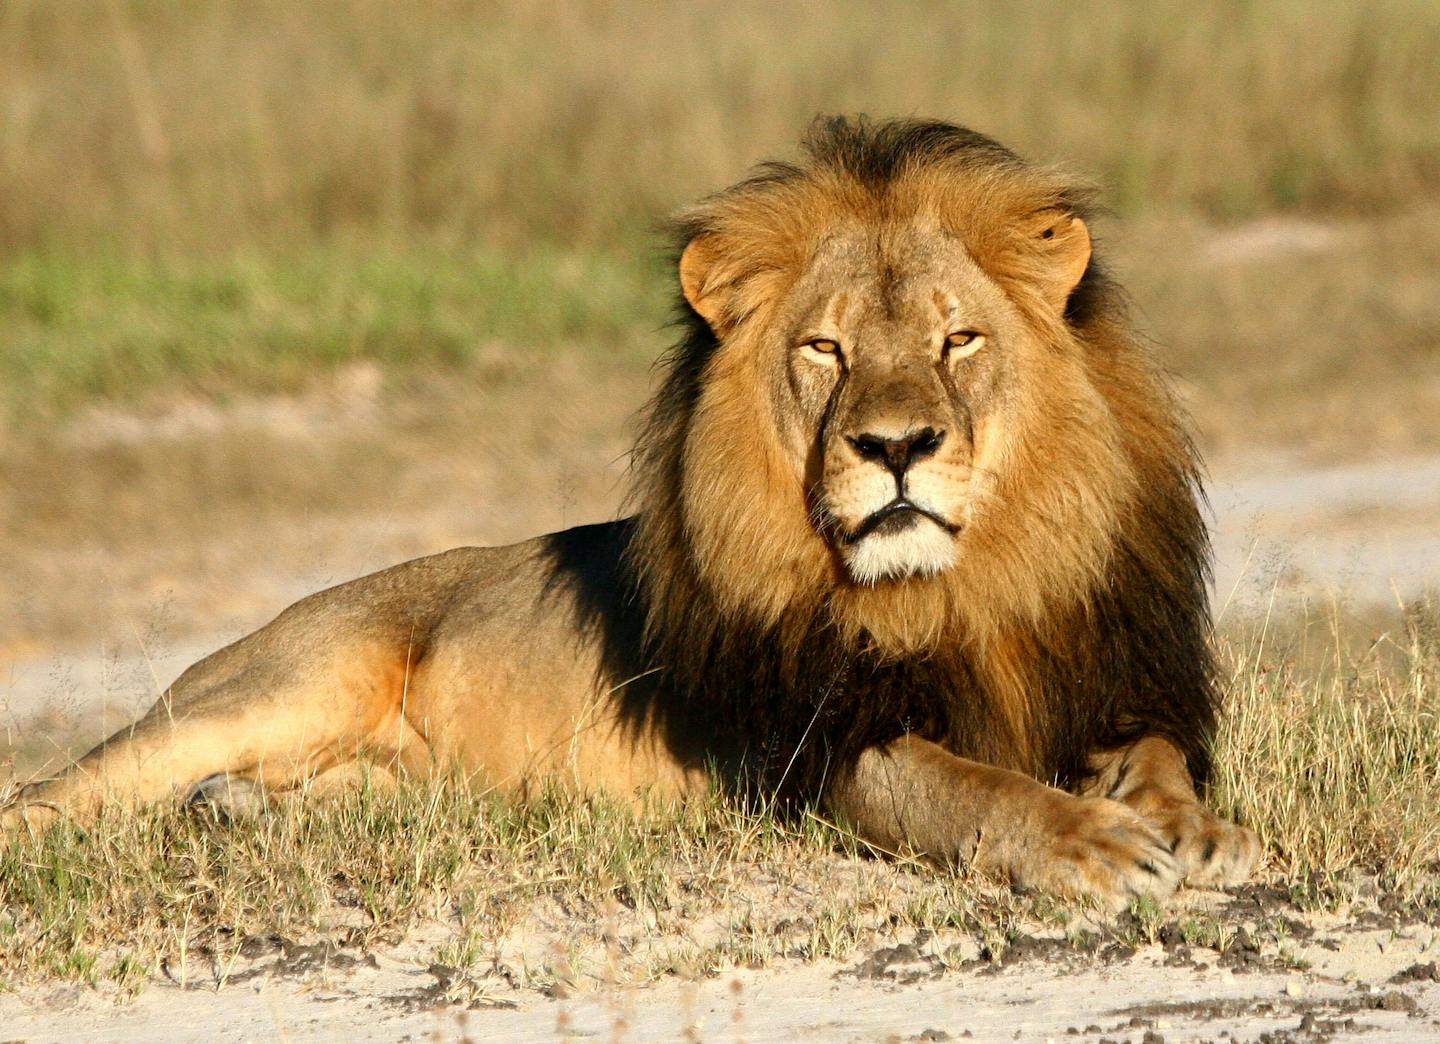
x=697 y=263
x=1065 y=241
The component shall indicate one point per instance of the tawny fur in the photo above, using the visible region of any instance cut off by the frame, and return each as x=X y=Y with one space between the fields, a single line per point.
x=1010 y=667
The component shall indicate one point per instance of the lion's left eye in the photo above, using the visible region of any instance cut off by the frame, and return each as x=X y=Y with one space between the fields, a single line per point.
x=963 y=343
x=822 y=350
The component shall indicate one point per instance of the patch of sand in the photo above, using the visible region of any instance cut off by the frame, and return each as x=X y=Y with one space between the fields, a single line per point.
x=1373 y=984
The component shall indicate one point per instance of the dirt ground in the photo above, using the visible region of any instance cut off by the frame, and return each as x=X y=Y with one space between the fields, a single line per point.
x=1338 y=977
x=135 y=542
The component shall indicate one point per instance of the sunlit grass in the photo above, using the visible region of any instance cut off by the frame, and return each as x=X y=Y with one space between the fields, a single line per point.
x=1336 y=765
x=206 y=125
x=82 y=329
x=1337 y=761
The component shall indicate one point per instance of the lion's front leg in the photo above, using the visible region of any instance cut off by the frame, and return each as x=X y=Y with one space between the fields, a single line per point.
x=1150 y=776
x=914 y=794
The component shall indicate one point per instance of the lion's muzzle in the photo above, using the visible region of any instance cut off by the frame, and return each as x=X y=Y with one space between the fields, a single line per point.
x=891 y=517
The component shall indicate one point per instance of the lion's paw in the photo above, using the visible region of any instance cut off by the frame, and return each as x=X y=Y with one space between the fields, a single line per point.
x=1100 y=849
x=1216 y=853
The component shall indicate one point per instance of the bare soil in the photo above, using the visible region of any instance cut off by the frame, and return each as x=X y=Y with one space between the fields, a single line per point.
x=1340 y=976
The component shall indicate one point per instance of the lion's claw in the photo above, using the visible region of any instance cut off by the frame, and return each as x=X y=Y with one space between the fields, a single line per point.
x=1215 y=852
x=1100 y=849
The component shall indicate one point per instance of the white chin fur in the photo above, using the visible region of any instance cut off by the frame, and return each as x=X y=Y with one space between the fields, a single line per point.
x=922 y=550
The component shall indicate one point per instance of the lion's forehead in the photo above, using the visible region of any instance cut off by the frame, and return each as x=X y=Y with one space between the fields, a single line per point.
x=892 y=285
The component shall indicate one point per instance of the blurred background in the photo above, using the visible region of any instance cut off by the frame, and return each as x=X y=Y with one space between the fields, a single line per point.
x=290 y=291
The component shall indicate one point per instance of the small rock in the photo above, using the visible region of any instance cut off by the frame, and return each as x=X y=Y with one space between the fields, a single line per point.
x=1394 y=1000
x=1428 y=972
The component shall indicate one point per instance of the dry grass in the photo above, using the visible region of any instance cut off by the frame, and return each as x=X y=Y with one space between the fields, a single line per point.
x=671 y=892
x=1334 y=754
x=157 y=127
x=1265 y=323
x=1337 y=766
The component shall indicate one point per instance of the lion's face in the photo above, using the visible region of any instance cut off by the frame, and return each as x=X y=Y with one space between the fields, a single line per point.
x=895 y=368
x=890 y=368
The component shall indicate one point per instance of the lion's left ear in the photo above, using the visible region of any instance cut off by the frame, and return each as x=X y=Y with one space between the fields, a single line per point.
x=1065 y=244
x=697 y=264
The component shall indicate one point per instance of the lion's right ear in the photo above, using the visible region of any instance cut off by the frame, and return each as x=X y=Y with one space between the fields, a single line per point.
x=697 y=269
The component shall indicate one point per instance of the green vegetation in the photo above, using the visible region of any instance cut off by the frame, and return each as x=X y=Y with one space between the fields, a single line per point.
x=160 y=126
x=220 y=194
x=81 y=328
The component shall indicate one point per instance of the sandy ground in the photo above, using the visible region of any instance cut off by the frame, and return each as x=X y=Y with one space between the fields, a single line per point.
x=1367 y=533
x=1339 y=983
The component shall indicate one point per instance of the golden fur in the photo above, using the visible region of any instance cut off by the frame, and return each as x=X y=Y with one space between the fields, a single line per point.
x=915 y=536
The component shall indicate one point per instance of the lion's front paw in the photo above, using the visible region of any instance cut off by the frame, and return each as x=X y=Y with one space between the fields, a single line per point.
x=1101 y=849
x=1215 y=852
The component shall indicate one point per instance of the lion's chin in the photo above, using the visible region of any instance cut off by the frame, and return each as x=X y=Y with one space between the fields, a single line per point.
x=919 y=550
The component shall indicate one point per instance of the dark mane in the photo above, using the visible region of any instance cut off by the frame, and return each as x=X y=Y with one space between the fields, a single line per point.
x=794 y=701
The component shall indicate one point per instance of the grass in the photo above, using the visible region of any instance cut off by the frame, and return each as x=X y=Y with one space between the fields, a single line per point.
x=220 y=197
x=1339 y=762
x=85 y=329
x=1337 y=765
x=1268 y=343
x=162 y=127
x=141 y=890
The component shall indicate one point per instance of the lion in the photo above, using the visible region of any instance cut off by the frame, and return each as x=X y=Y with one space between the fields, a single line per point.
x=916 y=539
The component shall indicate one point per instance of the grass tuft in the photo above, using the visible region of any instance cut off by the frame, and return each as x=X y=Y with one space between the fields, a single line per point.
x=1334 y=756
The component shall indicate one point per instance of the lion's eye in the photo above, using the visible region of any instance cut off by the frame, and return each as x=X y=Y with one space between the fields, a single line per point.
x=822 y=349
x=962 y=344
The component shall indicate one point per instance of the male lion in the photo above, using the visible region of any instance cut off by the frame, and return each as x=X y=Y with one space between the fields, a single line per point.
x=916 y=537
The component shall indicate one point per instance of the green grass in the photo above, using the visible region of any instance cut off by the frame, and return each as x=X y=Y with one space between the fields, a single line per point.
x=80 y=329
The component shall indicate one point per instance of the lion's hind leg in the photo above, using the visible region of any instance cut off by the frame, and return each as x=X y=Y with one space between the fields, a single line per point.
x=260 y=714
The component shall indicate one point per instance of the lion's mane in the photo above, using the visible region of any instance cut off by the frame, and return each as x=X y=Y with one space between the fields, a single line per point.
x=1081 y=613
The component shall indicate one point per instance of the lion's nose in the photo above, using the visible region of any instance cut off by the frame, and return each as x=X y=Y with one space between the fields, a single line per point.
x=897 y=454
